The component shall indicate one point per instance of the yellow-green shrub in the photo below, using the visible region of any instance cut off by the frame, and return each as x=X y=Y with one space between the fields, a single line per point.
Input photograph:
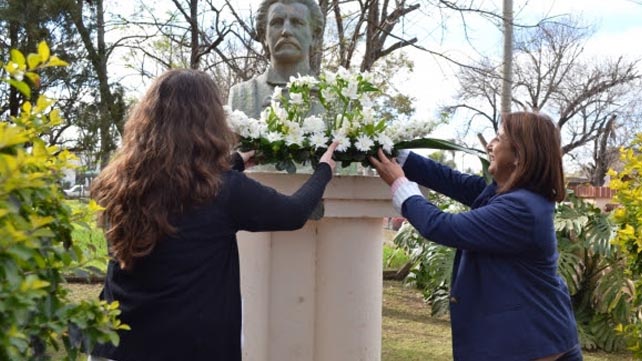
x=628 y=184
x=36 y=249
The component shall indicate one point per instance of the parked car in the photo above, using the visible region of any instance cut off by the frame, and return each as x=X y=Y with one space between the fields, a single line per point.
x=76 y=191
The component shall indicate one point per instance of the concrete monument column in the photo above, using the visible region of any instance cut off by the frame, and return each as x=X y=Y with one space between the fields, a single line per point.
x=315 y=294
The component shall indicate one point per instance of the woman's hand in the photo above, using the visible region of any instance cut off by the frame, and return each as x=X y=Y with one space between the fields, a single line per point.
x=248 y=158
x=389 y=170
x=327 y=156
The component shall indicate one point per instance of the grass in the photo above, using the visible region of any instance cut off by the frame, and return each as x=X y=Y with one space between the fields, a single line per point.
x=409 y=332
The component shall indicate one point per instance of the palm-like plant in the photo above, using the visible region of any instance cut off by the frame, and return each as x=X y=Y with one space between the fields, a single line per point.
x=432 y=263
x=595 y=272
x=432 y=267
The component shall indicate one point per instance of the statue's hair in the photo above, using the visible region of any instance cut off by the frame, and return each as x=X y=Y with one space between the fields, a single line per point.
x=316 y=18
x=176 y=145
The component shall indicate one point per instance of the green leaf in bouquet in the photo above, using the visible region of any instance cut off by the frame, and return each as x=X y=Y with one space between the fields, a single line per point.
x=441 y=144
x=287 y=165
x=301 y=155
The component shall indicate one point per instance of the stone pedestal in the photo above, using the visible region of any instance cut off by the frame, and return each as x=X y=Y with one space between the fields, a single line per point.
x=315 y=294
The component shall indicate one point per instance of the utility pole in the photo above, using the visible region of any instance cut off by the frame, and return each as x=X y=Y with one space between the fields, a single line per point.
x=507 y=74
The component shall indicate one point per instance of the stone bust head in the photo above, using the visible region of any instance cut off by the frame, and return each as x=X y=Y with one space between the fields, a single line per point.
x=289 y=29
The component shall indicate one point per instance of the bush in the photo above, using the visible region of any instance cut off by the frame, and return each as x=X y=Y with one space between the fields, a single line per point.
x=36 y=249
x=628 y=217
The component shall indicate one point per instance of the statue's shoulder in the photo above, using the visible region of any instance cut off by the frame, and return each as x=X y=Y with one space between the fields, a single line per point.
x=249 y=96
x=250 y=84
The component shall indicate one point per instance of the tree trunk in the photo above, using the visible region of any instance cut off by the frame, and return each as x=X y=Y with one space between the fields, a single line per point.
x=194 y=56
x=14 y=101
x=109 y=115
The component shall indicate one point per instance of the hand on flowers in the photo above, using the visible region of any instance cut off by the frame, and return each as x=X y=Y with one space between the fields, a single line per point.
x=248 y=158
x=327 y=156
x=389 y=170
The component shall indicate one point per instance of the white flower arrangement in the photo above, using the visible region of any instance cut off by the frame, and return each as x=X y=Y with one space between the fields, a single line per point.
x=310 y=113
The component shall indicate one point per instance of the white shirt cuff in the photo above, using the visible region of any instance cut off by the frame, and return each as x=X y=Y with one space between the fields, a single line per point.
x=403 y=192
x=402 y=156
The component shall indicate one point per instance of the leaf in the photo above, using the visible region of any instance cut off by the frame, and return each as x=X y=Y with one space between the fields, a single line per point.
x=18 y=58
x=434 y=143
x=43 y=51
x=33 y=60
x=10 y=136
x=21 y=86
x=55 y=61
x=441 y=144
x=34 y=78
x=54 y=117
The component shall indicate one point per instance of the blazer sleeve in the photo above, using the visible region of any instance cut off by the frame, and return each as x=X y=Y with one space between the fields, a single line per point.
x=503 y=226
x=256 y=207
x=237 y=162
x=461 y=187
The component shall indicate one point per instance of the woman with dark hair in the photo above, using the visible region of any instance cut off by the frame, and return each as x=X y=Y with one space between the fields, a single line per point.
x=507 y=302
x=172 y=207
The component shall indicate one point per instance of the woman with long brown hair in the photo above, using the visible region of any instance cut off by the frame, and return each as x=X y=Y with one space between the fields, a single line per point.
x=507 y=301
x=172 y=207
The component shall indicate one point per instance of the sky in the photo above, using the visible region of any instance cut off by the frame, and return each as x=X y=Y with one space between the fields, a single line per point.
x=618 y=30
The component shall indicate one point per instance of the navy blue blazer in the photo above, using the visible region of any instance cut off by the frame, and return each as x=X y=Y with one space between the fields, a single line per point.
x=508 y=303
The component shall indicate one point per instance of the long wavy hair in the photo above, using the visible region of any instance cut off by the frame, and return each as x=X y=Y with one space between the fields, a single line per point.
x=176 y=145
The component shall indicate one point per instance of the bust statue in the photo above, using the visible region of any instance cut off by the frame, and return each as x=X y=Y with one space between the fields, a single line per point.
x=289 y=31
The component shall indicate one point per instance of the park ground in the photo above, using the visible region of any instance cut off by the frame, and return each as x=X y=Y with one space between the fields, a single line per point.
x=409 y=332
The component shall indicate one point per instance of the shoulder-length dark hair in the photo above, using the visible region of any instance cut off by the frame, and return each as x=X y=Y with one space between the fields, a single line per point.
x=537 y=144
x=176 y=144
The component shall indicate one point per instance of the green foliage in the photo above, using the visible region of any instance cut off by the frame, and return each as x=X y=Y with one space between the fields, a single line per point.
x=432 y=268
x=595 y=273
x=628 y=218
x=394 y=257
x=36 y=224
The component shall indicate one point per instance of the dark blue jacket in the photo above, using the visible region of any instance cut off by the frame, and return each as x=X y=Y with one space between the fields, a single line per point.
x=508 y=302
x=183 y=300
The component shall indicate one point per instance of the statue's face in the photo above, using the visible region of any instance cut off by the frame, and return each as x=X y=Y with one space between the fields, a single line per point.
x=289 y=32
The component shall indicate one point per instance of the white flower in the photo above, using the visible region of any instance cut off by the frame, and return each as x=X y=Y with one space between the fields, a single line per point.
x=256 y=128
x=292 y=139
x=344 y=141
x=318 y=140
x=296 y=98
x=329 y=76
x=368 y=115
x=351 y=123
x=279 y=111
x=328 y=95
x=386 y=142
x=343 y=73
x=366 y=101
x=351 y=91
x=278 y=93
x=273 y=137
x=302 y=80
x=313 y=124
x=364 y=143
x=367 y=76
